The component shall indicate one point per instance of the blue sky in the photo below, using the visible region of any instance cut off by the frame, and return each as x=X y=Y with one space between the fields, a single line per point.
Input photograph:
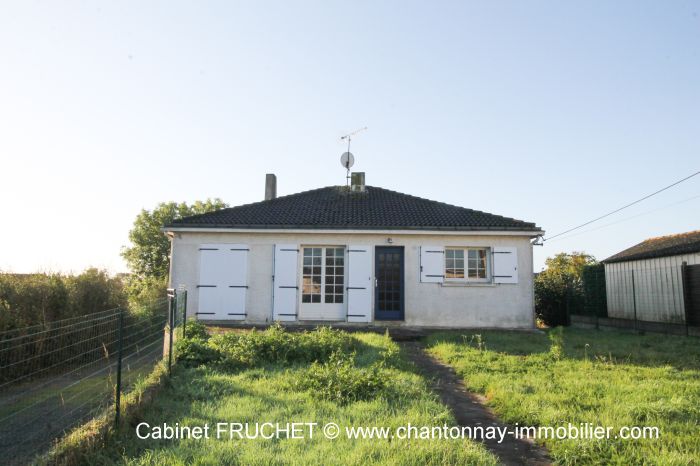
x=553 y=112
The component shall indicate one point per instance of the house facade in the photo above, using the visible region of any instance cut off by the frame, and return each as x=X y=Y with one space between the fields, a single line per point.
x=355 y=255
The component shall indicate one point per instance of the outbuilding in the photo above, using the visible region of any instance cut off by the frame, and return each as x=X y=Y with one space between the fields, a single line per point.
x=657 y=280
x=355 y=255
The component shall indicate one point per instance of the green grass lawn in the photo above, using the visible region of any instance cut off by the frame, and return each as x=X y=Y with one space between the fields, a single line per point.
x=605 y=378
x=274 y=393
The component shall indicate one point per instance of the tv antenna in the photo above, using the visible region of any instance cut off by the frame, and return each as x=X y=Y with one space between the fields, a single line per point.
x=347 y=159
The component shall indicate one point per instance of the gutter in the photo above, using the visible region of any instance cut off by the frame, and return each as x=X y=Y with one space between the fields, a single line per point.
x=407 y=231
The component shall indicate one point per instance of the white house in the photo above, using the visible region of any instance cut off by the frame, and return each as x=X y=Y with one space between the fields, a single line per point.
x=356 y=255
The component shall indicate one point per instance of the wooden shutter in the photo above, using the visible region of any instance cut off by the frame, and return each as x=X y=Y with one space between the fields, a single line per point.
x=285 y=283
x=236 y=281
x=359 y=287
x=223 y=281
x=505 y=265
x=432 y=264
x=210 y=269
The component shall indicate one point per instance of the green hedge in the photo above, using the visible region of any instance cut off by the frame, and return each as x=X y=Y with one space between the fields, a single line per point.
x=33 y=299
x=594 y=294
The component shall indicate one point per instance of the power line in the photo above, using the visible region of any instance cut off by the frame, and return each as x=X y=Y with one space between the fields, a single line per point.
x=628 y=218
x=623 y=207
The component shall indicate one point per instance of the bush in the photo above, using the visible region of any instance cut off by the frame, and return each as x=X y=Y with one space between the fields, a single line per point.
x=277 y=346
x=193 y=352
x=32 y=299
x=94 y=291
x=559 y=289
x=196 y=330
x=143 y=292
x=554 y=301
x=255 y=348
x=320 y=344
x=340 y=381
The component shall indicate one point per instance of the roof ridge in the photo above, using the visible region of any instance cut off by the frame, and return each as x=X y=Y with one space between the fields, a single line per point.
x=672 y=235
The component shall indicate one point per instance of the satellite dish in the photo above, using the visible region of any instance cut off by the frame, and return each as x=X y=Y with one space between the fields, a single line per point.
x=347 y=160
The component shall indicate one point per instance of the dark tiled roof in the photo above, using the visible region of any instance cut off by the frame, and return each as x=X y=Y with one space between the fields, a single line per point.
x=334 y=207
x=672 y=245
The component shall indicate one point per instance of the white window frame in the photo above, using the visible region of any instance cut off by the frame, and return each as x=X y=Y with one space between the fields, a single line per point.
x=466 y=279
x=323 y=248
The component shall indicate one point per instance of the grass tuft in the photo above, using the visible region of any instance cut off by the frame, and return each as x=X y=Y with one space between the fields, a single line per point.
x=340 y=381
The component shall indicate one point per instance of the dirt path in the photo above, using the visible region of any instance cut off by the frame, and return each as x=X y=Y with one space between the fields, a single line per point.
x=469 y=410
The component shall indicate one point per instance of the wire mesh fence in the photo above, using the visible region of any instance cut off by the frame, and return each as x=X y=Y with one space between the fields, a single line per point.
x=643 y=295
x=54 y=377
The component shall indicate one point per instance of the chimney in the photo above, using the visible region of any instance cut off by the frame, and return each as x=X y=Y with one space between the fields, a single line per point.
x=270 y=187
x=357 y=180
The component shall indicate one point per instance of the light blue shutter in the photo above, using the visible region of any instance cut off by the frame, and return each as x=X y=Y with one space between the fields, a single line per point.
x=432 y=264
x=223 y=281
x=210 y=270
x=285 y=284
x=235 y=287
x=359 y=284
x=505 y=265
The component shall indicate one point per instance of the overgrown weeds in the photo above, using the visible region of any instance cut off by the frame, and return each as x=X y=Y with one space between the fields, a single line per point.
x=334 y=374
x=339 y=380
x=274 y=345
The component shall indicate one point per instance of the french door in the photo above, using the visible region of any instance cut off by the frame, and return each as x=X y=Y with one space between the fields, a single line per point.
x=322 y=283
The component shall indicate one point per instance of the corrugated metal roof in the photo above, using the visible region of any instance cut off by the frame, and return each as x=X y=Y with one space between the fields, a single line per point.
x=672 y=245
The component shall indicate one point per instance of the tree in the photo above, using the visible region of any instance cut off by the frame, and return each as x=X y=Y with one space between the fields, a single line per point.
x=559 y=288
x=149 y=254
x=148 y=257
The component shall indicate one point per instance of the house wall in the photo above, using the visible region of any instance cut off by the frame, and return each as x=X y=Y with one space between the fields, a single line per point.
x=426 y=304
x=654 y=286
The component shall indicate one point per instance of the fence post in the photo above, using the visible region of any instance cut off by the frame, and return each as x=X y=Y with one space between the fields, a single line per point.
x=596 y=308
x=685 y=291
x=184 y=312
x=634 y=301
x=567 y=320
x=118 y=395
x=171 y=319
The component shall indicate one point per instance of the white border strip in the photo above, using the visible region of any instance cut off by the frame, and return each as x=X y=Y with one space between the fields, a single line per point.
x=529 y=233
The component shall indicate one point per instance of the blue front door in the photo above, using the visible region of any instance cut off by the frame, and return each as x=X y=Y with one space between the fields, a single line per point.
x=388 y=270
